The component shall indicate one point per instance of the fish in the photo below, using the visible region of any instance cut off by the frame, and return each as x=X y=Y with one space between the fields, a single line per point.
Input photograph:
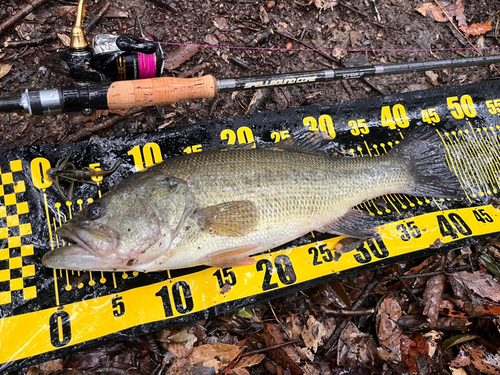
x=218 y=208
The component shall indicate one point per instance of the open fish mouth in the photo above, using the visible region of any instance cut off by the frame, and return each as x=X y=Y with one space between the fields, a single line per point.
x=76 y=255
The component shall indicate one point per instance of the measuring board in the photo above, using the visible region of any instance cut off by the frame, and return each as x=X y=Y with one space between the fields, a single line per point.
x=46 y=313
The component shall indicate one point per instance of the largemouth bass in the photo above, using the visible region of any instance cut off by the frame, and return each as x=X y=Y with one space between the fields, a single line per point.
x=219 y=207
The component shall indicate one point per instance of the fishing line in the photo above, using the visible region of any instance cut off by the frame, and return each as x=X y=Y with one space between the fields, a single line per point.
x=348 y=50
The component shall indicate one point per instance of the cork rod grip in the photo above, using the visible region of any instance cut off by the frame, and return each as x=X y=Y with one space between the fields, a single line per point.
x=159 y=91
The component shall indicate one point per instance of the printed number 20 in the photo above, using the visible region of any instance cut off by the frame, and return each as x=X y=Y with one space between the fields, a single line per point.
x=285 y=270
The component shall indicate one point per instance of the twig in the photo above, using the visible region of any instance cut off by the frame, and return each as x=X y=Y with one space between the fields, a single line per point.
x=329 y=346
x=458 y=30
x=109 y=122
x=366 y=16
x=427 y=274
x=30 y=43
x=408 y=290
x=21 y=14
x=271 y=348
x=97 y=18
x=346 y=312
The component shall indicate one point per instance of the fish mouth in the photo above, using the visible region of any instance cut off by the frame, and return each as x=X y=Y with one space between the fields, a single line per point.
x=77 y=255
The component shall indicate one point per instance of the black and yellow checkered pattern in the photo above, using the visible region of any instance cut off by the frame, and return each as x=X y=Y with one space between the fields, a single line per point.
x=16 y=269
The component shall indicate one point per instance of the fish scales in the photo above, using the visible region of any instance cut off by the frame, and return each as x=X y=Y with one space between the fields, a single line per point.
x=294 y=192
x=219 y=207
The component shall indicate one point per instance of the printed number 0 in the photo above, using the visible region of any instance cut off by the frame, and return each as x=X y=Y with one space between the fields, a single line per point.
x=60 y=329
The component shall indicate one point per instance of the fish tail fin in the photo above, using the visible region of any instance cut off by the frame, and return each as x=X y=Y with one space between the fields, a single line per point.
x=425 y=156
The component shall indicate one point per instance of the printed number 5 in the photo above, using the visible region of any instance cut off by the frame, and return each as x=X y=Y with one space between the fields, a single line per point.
x=409 y=230
x=118 y=306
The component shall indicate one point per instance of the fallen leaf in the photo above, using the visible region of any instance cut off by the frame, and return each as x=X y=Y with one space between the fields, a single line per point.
x=221 y=23
x=388 y=331
x=432 y=337
x=114 y=12
x=438 y=12
x=477 y=28
x=66 y=40
x=310 y=370
x=353 y=35
x=264 y=17
x=179 y=56
x=434 y=11
x=4 y=69
x=313 y=333
x=484 y=361
x=336 y=294
x=455 y=340
x=273 y=336
x=250 y=360
x=356 y=348
x=432 y=298
x=433 y=77
x=213 y=357
x=211 y=40
x=480 y=282
x=490 y=263
x=239 y=371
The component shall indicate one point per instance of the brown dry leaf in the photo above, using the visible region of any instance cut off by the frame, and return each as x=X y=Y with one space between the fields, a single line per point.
x=432 y=297
x=356 y=347
x=51 y=366
x=433 y=77
x=211 y=357
x=273 y=336
x=222 y=24
x=4 y=69
x=313 y=334
x=264 y=17
x=239 y=371
x=178 y=350
x=480 y=282
x=66 y=40
x=211 y=40
x=388 y=331
x=250 y=360
x=414 y=350
x=484 y=361
x=115 y=12
x=354 y=35
x=310 y=370
x=477 y=28
x=179 y=56
x=452 y=10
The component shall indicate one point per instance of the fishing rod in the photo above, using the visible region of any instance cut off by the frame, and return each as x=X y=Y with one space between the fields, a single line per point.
x=169 y=90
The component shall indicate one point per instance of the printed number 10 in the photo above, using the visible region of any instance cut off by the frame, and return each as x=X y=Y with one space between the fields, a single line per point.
x=150 y=151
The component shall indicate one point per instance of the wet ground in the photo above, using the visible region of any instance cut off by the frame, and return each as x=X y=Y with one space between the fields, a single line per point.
x=319 y=34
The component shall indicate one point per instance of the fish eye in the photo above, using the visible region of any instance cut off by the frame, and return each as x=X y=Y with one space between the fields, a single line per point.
x=93 y=211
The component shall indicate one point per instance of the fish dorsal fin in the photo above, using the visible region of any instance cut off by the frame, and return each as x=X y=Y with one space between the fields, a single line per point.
x=354 y=223
x=230 y=219
x=305 y=141
x=235 y=256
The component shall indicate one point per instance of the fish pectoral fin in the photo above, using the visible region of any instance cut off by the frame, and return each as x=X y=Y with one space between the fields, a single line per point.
x=355 y=223
x=235 y=256
x=231 y=219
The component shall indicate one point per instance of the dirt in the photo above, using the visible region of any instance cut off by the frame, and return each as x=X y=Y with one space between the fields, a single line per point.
x=384 y=31
x=376 y=32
